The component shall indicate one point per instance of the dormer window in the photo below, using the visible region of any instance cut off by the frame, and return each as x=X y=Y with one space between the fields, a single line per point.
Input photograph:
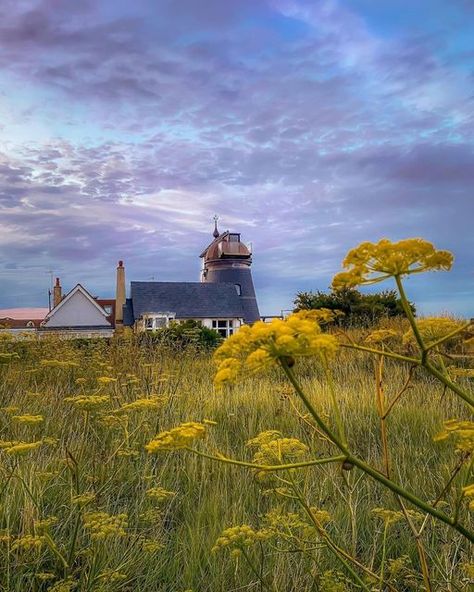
x=234 y=237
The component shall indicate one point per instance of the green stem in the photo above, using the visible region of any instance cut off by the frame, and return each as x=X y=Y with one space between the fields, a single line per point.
x=409 y=314
x=385 y=353
x=241 y=463
x=366 y=468
x=447 y=382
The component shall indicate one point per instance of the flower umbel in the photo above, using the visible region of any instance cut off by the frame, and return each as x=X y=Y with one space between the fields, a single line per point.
x=370 y=263
x=180 y=437
x=263 y=344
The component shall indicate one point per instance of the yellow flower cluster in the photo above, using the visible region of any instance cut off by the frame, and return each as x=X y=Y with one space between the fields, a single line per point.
x=262 y=344
x=28 y=419
x=468 y=491
x=373 y=262
x=64 y=364
x=240 y=537
x=106 y=379
x=28 y=542
x=144 y=404
x=83 y=499
x=151 y=546
x=111 y=576
x=159 y=494
x=433 y=328
x=388 y=516
x=461 y=431
x=382 y=336
x=181 y=436
x=22 y=448
x=280 y=450
x=45 y=523
x=103 y=525
x=88 y=402
x=393 y=516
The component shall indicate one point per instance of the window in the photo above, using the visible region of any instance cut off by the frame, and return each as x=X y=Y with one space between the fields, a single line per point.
x=30 y=324
x=234 y=238
x=238 y=287
x=153 y=322
x=225 y=327
x=108 y=309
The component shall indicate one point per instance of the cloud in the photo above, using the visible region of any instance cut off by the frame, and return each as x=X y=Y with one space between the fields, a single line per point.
x=129 y=127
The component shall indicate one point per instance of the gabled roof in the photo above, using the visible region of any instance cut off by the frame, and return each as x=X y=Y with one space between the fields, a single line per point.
x=186 y=299
x=67 y=298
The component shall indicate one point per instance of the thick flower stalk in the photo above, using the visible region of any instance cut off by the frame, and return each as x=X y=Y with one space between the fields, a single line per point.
x=263 y=344
x=370 y=263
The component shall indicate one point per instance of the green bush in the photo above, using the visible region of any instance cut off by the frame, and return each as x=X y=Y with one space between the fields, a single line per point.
x=360 y=310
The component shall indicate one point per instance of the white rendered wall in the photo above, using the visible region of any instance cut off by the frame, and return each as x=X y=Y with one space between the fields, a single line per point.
x=78 y=311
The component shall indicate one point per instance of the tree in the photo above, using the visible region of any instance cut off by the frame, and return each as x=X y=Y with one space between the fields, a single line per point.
x=360 y=310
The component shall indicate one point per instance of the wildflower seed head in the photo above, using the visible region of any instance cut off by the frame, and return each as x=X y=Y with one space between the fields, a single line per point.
x=370 y=263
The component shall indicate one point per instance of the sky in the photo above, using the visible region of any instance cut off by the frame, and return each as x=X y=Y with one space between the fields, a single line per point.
x=308 y=126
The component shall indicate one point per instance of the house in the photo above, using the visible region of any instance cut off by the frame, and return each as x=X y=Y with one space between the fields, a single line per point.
x=79 y=314
x=223 y=300
x=21 y=320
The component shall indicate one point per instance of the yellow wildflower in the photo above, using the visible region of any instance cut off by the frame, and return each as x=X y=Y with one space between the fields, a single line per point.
x=44 y=576
x=373 y=262
x=105 y=379
x=280 y=450
x=388 y=516
x=28 y=419
x=102 y=525
x=381 y=336
x=159 y=494
x=433 y=328
x=111 y=575
x=28 y=542
x=179 y=437
x=461 y=431
x=63 y=586
x=5 y=444
x=64 y=364
x=45 y=523
x=151 y=546
x=88 y=402
x=255 y=347
x=83 y=499
x=22 y=448
x=10 y=409
x=144 y=404
x=238 y=537
x=468 y=491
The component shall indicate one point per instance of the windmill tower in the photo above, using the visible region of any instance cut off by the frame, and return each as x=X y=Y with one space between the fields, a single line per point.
x=228 y=260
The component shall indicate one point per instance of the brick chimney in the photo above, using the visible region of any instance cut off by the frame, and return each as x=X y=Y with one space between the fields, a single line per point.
x=57 y=293
x=120 y=294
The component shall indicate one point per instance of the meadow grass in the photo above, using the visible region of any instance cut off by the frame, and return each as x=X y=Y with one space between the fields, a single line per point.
x=93 y=459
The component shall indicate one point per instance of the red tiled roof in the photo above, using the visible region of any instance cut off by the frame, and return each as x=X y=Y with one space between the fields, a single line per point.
x=24 y=314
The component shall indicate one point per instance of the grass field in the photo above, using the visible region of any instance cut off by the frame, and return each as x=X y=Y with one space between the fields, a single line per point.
x=91 y=459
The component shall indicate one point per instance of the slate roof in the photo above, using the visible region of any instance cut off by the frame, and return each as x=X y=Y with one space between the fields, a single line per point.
x=192 y=300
